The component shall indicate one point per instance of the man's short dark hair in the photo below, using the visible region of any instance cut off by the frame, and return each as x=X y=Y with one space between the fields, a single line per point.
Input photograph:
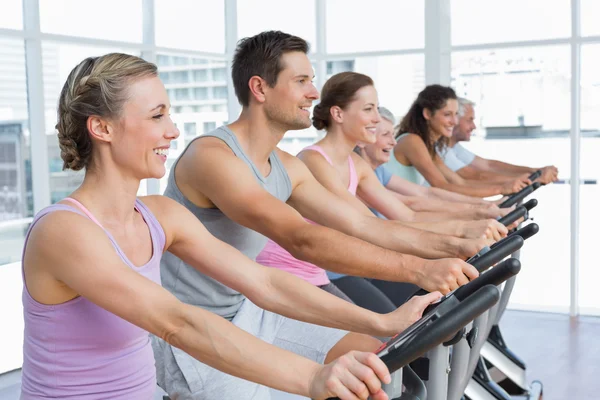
x=260 y=55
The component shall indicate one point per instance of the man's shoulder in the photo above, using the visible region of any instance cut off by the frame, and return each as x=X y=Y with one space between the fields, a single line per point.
x=208 y=144
x=463 y=153
x=446 y=151
x=288 y=160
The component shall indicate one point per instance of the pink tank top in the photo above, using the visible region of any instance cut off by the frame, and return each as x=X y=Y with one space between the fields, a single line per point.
x=77 y=350
x=276 y=256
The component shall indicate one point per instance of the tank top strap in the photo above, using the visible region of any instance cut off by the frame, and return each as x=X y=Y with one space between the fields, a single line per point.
x=319 y=150
x=156 y=230
x=353 y=184
x=85 y=210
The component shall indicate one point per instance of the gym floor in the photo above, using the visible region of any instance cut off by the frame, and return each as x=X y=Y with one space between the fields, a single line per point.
x=562 y=352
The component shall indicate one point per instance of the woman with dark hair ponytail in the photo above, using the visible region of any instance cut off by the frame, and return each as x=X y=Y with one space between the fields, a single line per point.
x=423 y=135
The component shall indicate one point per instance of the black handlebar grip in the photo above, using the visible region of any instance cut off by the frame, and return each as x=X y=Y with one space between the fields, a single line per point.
x=514 y=215
x=526 y=232
x=494 y=276
x=535 y=175
x=530 y=204
x=503 y=249
x=517 y=197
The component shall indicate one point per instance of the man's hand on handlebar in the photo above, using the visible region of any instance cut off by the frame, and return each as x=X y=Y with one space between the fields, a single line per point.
x=549 y=175
x=445 y=275
x=515 y=185
x=486 y=228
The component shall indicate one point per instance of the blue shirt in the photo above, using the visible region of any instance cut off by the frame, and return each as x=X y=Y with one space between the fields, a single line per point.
x=384 y=175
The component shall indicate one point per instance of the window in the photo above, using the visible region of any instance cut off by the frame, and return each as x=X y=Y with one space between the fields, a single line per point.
x=209 y=126
x=72 y=17
x=11 y=16
x=590 y=9
x=8 y=184
x=255 y=16
x=540 y=76
x=523 y=116
x=200 y=75
x=333 y=67
x=181 y=60
x=165 y=77
x=189 y=128
x=398 y=79
x=190 y=24
x=182 y=94
x=475 y=21
x=220 y=92
x=590 y=167
x=201 y=93
x=8 y=153
x=219 y=74
x=394 y=25
x=179 y=77
x=164 y=60
x=16 y=199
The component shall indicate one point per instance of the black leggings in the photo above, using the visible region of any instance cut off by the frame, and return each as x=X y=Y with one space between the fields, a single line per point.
x=375 y=295
x=364 y=294
x=397 y=292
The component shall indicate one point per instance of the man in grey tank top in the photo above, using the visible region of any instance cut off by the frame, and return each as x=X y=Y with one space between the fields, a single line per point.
x=244 y=190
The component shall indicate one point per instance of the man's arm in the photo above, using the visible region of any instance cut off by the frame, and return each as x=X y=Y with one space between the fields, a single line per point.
x=470 y=172
x=549 y=173
x=491 y=188
x=269 y=288
x=499 y=167
x=229 y=184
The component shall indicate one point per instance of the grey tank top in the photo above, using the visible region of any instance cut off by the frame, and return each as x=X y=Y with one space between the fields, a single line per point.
x=184 y=281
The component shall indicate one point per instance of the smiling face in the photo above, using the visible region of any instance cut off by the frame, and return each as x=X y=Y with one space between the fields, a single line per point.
x=379 y=152
x=442 y=121
x=144 y=132
x=360 y=117
x=466 y=125
x=288 y=103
